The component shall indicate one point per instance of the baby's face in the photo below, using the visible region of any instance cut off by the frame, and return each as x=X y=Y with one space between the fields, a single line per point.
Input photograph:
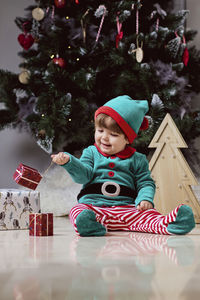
x=110 y=142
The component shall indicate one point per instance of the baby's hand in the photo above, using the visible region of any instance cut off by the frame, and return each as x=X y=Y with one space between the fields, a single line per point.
x=144 y=205
x=61 y=158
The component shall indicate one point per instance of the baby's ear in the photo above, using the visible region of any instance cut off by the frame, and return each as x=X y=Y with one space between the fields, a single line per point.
x=127 y=141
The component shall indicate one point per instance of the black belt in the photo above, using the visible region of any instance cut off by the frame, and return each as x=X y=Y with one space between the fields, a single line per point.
x=108 y=188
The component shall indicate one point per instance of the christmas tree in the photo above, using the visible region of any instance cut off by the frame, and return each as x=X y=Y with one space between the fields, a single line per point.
x=78 y=54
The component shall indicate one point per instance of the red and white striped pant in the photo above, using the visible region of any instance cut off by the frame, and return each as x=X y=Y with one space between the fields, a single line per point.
x=127 y=218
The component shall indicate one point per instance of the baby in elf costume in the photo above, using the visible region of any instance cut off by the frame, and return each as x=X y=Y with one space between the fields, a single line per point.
x=118 y=190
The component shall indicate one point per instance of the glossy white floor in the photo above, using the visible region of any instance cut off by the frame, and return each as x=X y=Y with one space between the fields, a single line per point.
x=119 y=266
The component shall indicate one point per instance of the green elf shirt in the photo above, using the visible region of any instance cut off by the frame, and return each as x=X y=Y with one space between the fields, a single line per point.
x=129 y=170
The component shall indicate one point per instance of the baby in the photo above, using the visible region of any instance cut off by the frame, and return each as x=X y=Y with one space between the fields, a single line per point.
x=118 y=190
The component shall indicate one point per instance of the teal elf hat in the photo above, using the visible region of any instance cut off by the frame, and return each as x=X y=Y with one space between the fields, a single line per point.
x=128 y=113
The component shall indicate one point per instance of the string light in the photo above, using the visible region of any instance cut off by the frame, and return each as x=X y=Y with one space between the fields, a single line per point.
x=69 y=120
x=78 y=59
x=52 y=56
x=67 y=17
x=43 y=115
x=69 y=47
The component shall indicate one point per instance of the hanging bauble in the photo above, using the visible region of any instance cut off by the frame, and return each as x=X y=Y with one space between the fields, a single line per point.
x=59 y=61
x=38 y=13
x=60 y=3
x=139 y=54
x=25 y=40
x=24 y=77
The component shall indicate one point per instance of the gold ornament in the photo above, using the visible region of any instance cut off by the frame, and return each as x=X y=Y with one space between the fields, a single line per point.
x=38 y=13
x=139 y=55
x=138 y=51
x=24 y=77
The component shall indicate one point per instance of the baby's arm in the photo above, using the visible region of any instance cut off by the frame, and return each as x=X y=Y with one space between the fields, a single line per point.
x=144 y=205
x=81 y=170
x=61 y=158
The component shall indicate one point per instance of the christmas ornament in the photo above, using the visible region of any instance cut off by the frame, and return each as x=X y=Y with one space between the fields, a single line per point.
x=60 y=3
x=138 y=50
x=83 y=25
x=139 y=54
x=25 y=40
x=38 y=13
x=186 y=56
x=24 y=77
x=100 y=12
x=185 y=53
x=157 y=13
x=59 y=61
x=173 y=46
x=119 y=32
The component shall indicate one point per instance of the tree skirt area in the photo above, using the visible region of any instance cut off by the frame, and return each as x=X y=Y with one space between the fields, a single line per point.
x=58 y=192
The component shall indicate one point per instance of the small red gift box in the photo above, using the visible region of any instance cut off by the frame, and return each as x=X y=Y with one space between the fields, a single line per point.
x=27 y=176
x=41 y=224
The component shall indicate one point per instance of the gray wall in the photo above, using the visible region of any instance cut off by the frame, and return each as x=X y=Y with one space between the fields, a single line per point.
x=15 y=146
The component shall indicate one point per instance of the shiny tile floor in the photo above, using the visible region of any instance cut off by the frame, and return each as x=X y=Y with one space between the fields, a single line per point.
x=119 y=266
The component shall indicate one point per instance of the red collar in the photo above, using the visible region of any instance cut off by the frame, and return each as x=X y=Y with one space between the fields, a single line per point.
x=126 y=153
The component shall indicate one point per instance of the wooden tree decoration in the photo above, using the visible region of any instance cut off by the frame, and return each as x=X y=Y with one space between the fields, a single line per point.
x=170 y=170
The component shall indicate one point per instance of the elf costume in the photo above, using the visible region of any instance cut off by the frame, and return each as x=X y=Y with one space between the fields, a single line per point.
x=114 y=185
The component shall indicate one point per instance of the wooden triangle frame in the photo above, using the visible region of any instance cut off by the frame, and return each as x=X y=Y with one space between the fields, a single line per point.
x=170 y=170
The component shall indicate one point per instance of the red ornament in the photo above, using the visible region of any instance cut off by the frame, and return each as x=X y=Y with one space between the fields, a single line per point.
x=118 y=38
x=185 y=56
x=60 y=3
x=25 y=40
x=59 y=61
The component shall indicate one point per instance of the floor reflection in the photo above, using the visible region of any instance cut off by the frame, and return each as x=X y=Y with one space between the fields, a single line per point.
x=119 y=266
x=137 y=247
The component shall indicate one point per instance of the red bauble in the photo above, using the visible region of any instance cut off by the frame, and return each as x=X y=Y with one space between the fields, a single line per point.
x=60 y=3
x=25 y=40
x=59 y=61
